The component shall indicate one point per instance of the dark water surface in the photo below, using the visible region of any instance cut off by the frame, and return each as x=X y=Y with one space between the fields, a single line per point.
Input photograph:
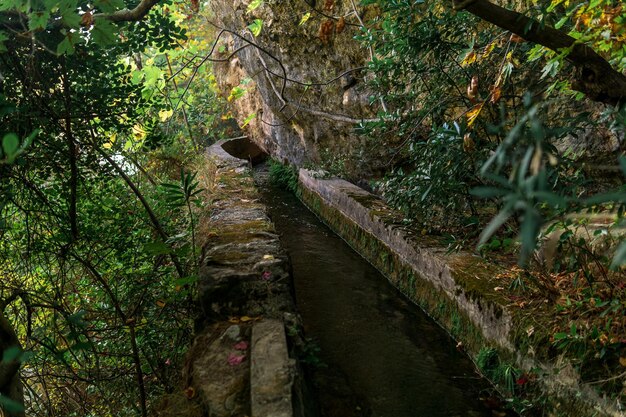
x=390 y=352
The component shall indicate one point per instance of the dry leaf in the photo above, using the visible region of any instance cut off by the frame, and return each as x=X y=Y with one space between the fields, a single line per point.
x=496 y=93
x=341 y=25
x=86 y=20
x=469 y=59
x=190 y=392
x=469 y=145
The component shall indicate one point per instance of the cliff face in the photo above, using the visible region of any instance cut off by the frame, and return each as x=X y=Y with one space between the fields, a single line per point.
x=303 y=79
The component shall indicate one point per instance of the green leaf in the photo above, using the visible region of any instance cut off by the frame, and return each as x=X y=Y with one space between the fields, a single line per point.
x=108 y=6
x=69 y=13
x=256 y=26
x=67 y=45
x=157 y=248
x=11 y=354
x=38 y=19
x=10 y=406
x=3 y=38
x=248 y=119
x=186 y=280
x=619 y=258
x=496 y=223
x=10 y=4
x=104 y=32
x=10 y=144
x=254 y=5
x=488 y=192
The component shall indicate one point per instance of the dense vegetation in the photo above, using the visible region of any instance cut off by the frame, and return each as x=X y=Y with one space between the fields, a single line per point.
x=99 y=128
x=98 y=201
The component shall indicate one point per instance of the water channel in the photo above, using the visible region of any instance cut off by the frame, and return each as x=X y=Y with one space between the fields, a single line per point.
x=392 y=355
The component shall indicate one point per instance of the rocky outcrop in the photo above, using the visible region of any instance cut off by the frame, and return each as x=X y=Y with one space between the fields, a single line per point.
x=303 y=80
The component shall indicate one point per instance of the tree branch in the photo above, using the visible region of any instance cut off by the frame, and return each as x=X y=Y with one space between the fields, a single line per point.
x=594 y=76
x=132 y=15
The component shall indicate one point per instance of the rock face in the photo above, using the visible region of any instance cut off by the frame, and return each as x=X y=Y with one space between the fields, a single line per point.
x=295 y=122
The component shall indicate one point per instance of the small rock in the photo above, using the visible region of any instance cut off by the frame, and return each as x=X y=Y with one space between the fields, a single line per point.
x=233 y=333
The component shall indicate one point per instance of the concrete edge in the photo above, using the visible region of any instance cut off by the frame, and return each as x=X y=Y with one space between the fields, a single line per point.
x=271 y=371
x=442 y=272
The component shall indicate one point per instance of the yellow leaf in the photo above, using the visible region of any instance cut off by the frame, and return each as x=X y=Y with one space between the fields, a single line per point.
x=245 y=319
x=622 y=361
x=165 y=114
x=160 y=303
x=489 y=49
x=469 y=59
x=268 y=257
x=473 y=114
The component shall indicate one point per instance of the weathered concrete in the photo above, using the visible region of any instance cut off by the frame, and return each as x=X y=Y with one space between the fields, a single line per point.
x=244 y=270
x=429 y=261
x=458 y=290
x=244 y=278
x=272 y=371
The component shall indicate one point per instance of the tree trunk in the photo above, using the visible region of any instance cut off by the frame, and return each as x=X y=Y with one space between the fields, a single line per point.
x=10 y=383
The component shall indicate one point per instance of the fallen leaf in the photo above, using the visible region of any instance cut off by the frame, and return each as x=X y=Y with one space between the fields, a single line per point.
x=341 y=24
x=234 y=359
x=160 y=303
x=190 y=392
x=498 y=288
x=243 y=345
x=622 y=361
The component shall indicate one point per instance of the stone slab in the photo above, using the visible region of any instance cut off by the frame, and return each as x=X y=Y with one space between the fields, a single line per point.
x=271 y=371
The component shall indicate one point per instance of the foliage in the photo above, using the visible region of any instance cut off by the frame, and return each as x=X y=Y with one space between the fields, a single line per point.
x=95 y=257
x=436 y=169
x=477 y=132
x=284 y=176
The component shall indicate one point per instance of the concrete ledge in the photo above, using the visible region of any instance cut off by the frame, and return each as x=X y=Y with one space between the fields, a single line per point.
x=271 y=370
x=457 y=290
x=239 y=362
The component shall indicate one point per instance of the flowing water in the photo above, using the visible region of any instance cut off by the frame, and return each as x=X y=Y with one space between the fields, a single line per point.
x=391 y=354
